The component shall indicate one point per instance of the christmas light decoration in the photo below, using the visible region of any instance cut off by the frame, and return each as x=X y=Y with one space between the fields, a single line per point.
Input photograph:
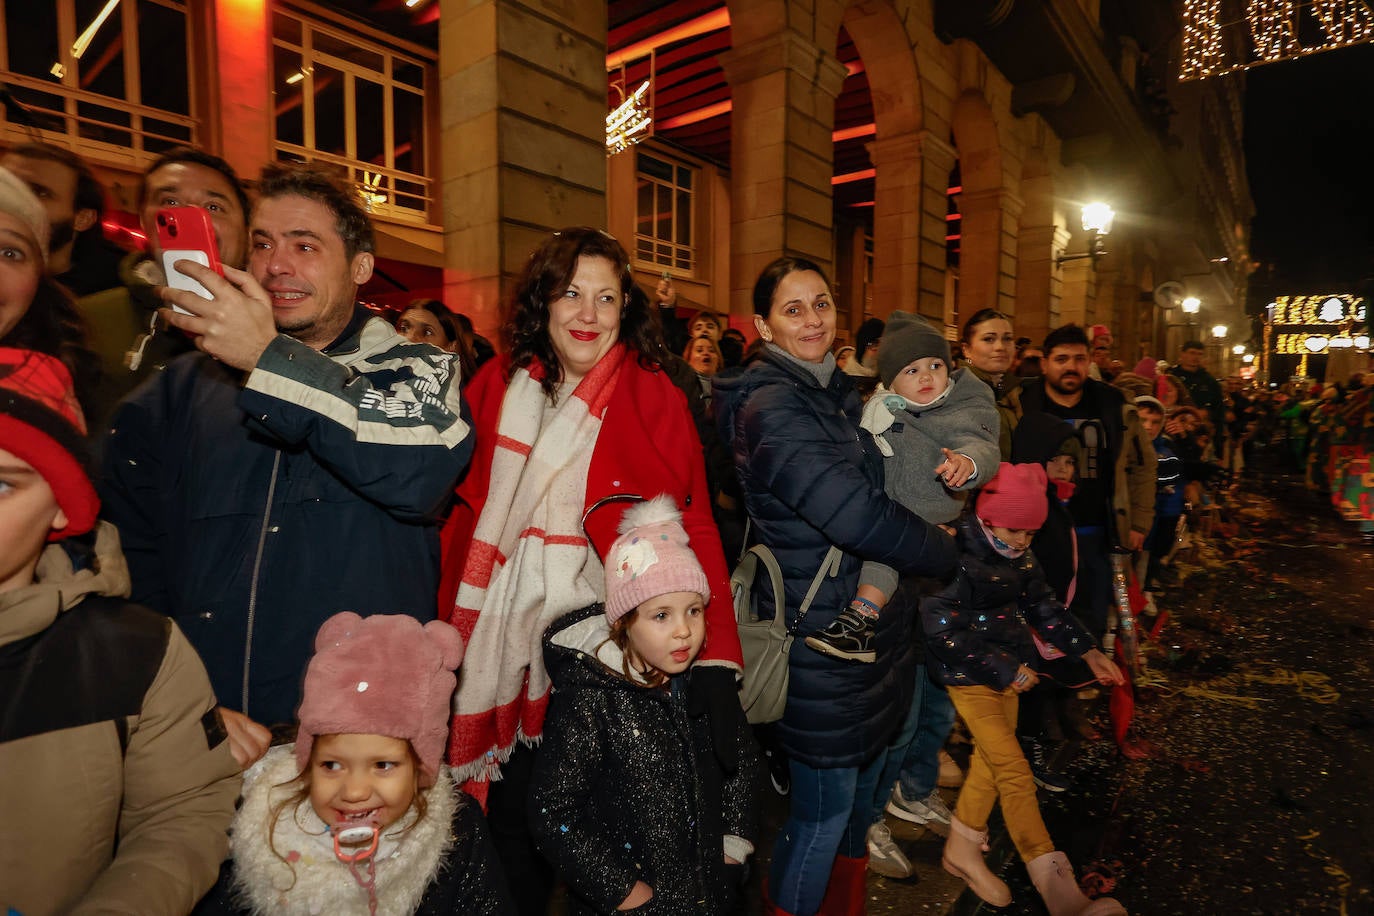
x=630 y=121
x=1273 y=26
x=1270 y=32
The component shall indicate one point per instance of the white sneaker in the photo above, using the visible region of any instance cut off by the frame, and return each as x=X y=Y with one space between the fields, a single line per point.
x=931 y=811
x=885 y=857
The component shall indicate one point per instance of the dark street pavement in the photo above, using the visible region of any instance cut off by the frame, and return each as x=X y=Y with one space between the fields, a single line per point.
x=1256 y=708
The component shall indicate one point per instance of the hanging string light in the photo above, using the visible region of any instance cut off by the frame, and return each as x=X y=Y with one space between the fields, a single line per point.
x=1273 y=27
x=1210 y=49
x=1202 y=54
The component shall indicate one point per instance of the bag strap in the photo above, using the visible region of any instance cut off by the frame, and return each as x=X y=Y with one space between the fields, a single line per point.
x=830 y=567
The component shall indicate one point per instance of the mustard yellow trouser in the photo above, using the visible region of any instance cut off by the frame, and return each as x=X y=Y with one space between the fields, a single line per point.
x=999 y=770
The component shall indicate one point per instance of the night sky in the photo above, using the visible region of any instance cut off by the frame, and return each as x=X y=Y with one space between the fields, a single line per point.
x=1309 y=124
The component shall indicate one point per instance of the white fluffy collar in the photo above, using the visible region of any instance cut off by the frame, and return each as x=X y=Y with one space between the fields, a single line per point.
x=315 y=882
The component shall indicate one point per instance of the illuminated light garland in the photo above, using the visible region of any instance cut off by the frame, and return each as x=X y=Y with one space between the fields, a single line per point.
x=1273 y=32
x=1202 y=54
x=1345 y=21
x=1273 y=25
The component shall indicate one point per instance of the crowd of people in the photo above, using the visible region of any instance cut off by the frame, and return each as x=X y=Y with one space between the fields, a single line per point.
x=307 y=609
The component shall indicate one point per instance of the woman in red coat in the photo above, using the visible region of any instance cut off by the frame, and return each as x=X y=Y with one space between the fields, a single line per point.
x=579 y=411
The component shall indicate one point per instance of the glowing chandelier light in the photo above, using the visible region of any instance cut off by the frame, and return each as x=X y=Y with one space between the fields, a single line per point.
x=1270 y=32
x=629 y=123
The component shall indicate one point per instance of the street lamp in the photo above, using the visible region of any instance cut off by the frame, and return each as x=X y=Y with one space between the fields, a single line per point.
x=1097 y=222
x=1238 y=349
x=1219 y=331
x=1190 y=305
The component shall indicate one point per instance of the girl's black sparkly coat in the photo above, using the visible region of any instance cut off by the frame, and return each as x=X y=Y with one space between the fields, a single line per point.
x=627 y=786
x=978 y=627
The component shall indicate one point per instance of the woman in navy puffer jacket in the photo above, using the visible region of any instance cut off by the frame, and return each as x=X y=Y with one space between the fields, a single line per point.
x=811 y=480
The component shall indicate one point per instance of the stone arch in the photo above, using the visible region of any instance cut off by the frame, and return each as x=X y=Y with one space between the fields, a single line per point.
x=894 y=80
x=895 y=151
x=977 y=138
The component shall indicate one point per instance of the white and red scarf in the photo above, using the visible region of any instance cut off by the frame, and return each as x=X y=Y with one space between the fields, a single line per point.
x=529 y=563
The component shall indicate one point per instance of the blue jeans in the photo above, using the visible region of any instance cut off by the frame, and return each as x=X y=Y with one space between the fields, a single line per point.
x=913 y=757
x=829 y=816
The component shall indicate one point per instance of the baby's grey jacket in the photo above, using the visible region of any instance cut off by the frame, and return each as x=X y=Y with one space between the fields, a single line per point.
x=965 y=421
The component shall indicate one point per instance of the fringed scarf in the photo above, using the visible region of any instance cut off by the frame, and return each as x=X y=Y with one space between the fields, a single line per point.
x=529 y=563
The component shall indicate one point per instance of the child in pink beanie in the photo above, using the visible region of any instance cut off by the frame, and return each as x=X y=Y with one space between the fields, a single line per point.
x=628 y=799
x=360 y=815
x=979 y=633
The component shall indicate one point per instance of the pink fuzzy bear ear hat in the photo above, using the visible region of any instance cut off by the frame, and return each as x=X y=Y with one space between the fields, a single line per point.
x=382 y=675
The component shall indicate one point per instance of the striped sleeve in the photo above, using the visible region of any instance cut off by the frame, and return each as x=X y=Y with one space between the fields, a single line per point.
x=390 y=423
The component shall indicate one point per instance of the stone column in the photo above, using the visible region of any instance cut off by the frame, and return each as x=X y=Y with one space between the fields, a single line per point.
x=937 y=161
x=523 y=138
x=783 y=90
x=897 y=168
x=241 y=57
x=1078 y=303
x=987 y=259
x=1038 y=282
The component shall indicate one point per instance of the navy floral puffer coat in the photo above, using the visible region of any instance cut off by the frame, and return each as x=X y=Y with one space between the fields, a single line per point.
x=978 y=628
x=811 y=478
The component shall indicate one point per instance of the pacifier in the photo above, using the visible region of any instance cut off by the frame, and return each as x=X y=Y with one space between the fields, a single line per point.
x=361 y=838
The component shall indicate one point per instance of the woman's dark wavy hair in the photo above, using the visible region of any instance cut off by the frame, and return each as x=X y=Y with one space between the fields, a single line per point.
x=769 y=278
x=546 y=277
x=53 y=326
x=981 y=316
x=460 y=334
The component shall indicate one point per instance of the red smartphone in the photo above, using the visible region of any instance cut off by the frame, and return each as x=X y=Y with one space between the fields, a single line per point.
x=186 y=233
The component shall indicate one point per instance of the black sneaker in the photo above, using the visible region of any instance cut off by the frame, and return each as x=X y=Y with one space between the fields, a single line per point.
x=849 y=636
x=1044 y=777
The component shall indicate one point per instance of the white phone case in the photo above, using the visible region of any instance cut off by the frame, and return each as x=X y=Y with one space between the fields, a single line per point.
x=178 y=280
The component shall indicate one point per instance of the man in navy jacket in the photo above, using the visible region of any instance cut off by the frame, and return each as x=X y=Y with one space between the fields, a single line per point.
x=293 y=468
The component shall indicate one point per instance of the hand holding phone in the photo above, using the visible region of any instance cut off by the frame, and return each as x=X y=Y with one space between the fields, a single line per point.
x=186 y=233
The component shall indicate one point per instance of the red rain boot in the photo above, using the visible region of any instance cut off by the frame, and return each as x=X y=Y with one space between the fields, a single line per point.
x=769 y=907
x=847 y=892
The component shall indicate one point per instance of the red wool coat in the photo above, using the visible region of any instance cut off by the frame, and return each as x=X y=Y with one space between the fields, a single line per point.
x=648 y=445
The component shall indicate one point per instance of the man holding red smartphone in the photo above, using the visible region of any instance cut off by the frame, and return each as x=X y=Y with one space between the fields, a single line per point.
x=293 y=468
x=183 y=177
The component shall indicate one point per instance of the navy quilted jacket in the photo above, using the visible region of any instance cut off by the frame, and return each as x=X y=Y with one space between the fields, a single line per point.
x=810 y=479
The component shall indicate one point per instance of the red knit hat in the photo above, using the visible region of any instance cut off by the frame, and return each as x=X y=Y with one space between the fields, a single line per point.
x=1015 y=497
x=41 y=424
x=382 y=675
x=650 y=558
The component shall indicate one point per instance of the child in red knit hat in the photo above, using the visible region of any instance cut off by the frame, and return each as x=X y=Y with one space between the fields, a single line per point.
x=978 y=631
x=120 y=779
x=628 y=798
x=359 y=816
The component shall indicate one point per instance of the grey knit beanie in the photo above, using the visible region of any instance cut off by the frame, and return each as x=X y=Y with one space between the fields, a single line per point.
x=908 y=337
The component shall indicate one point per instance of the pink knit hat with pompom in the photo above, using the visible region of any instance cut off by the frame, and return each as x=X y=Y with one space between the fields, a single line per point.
x=382 y=675
x=650 y=558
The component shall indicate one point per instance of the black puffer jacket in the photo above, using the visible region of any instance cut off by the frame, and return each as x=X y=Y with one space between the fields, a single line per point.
x=627 y=786
x=978 y=627
x=812 y=478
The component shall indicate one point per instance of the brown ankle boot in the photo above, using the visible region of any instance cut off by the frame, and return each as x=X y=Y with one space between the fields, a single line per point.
x=964 y=858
